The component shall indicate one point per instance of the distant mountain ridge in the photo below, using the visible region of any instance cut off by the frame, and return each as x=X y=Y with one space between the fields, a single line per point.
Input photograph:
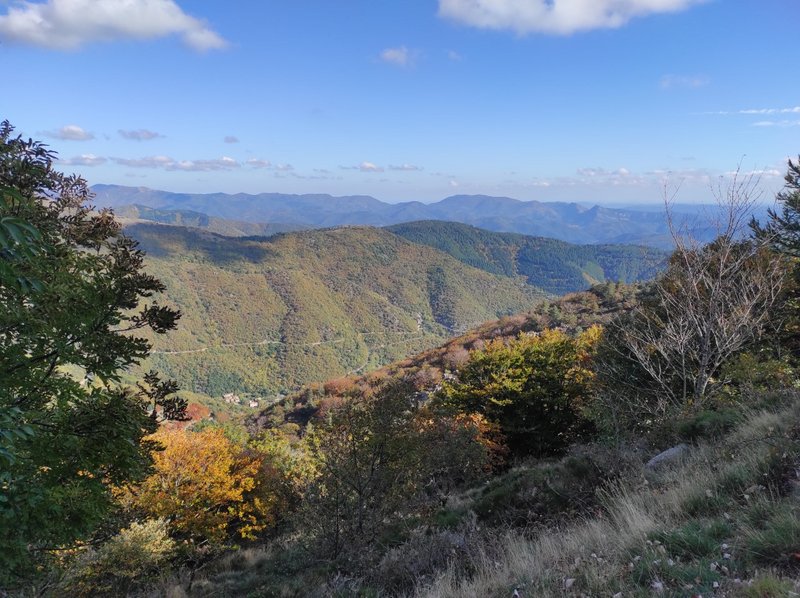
x=555 y=266
x=570 y=222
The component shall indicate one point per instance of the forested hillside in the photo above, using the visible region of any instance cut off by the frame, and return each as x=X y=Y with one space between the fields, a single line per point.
x=264 y=315
x=555 y=266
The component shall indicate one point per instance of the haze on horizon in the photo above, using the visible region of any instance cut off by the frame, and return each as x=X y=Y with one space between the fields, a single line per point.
x=599 y=101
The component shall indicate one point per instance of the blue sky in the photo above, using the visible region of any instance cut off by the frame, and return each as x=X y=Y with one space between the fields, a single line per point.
x=600 y=101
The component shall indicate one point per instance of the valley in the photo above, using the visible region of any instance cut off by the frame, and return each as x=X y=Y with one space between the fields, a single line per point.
x=262 y=316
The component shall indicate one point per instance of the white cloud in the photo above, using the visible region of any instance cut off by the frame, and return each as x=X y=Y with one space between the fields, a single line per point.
x=777 y=123
x=560 y=17
x=791 y=110
x=231 y=139
x=70 y=133
x=257 y=163
x=167 y=163
x=453 y=183
x=84 y=160
x=70 y=24
x=405 y=167
x=369 y=167
x=396 y=56
x=690 y=81
x=284 y=167
x=454 y=56
x=140 y=135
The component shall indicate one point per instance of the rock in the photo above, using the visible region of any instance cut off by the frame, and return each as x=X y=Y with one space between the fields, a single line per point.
x=668 y=457
x=657 y=586
x=568 y=583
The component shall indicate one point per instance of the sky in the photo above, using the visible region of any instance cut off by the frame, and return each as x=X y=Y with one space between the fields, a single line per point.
x=599 y=101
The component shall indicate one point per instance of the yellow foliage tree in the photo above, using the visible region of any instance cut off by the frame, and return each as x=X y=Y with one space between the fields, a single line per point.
x=208 y=487
x=535 y=387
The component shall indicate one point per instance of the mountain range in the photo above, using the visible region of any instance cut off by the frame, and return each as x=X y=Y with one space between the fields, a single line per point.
x=572 y=222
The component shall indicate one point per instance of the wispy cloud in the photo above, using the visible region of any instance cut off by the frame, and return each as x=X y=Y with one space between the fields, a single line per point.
x=139 y=135
x=777 y=123
x=364 y=167
x=167 y=163
x=84 y=160
x=685 y=81
x=559 y=17
x=231 y=139
x=397 y=56
x=405 y=167
x=454 y=56
x=258 y=163
x=757 y=111
x=70 y=133
x=71 y=24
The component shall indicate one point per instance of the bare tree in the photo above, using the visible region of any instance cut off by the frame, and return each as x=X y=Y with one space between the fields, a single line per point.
x=712 y=301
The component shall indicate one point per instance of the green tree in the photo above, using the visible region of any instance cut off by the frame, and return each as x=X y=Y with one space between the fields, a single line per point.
x=378 y=457
x=72 y=296
x=782 y=233
x=782 y=230
x=534 y=387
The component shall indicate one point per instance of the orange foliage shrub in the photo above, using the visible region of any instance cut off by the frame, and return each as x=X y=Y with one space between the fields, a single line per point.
x=208 y=487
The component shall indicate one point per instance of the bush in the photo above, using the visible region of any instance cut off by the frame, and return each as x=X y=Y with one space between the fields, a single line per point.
x=709 y=424
x=535 y=388
x=129 y=559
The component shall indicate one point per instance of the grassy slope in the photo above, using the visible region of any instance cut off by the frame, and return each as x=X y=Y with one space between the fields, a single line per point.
x=264 y=315
x=555 y=266
x=725 y=521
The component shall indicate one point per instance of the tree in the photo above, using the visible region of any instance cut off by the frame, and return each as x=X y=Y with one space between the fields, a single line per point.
x=378 y=457
x=782 y=231
x=535 y=387
x=208 y=488
x=782 y=234
x=73 y=294
x=712 y=302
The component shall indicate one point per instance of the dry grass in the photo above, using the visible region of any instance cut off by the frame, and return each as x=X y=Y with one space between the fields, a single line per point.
x=596 y=553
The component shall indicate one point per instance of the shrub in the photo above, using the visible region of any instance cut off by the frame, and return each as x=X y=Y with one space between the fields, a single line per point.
x=535 y=387
x=709 y=423
x=130 y=558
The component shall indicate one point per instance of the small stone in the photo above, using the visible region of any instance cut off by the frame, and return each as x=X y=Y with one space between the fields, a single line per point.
x=569 y=582
x=617 y=595
x=670 y=562
x=657 y=586
x=725 y=570
x=713 y=566
x=715 y=585
x=710 y=493
x=726 y=556
x=724 y=547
